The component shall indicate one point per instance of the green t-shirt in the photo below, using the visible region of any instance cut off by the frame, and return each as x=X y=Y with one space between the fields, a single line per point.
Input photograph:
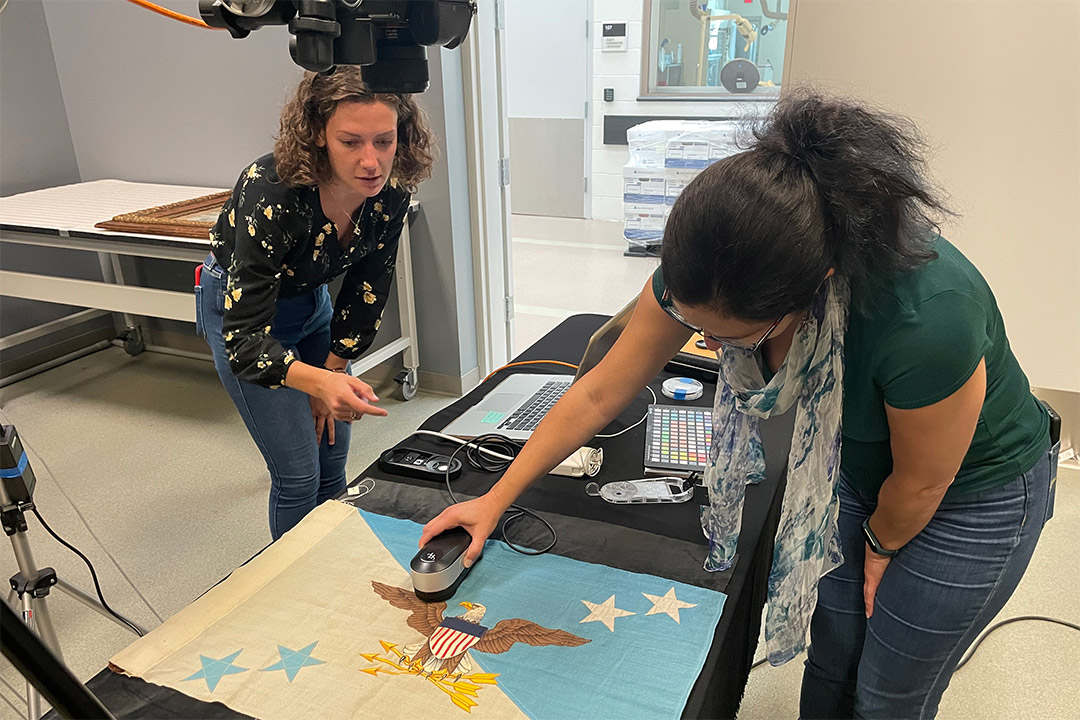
x=915 y=338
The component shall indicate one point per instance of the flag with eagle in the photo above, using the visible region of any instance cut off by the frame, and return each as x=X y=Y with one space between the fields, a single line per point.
x=563 y=638
x=324 y=623
x=448 y=640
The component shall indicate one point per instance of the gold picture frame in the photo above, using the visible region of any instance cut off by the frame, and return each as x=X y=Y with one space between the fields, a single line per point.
x=187 y=218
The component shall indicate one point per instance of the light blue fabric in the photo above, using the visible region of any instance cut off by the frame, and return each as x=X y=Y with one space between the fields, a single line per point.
x=807 y=545
x=644 y=669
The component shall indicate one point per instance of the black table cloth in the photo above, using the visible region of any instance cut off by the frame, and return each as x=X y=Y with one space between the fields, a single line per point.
x=663 y=540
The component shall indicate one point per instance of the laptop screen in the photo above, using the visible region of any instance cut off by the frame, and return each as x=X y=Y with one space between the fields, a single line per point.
x=604 y=339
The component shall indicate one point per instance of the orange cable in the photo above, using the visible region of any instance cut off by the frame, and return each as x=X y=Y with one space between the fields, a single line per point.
x=531 y=362
x=173 y=15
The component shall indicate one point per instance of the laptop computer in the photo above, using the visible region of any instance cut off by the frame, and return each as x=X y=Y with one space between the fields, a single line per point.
x=516 y=406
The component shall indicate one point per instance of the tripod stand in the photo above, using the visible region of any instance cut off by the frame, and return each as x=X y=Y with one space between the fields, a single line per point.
x=31 y=586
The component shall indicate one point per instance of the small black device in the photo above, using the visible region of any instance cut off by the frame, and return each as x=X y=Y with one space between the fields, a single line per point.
x=739 y=76
x=18 y=477
x=1055 y=424
x=872 y=541
x=386 y=37
x=438 y=569
x=419 y=464
x=609 y=94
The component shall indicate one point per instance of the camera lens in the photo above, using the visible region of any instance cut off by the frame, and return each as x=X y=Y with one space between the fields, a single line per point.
x=400 y=69
x=312 y=51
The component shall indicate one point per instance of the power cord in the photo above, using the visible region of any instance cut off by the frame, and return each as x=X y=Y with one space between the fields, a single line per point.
x=643 y=418
x=975 y=646
x=82 y=518
x=519 y=363
x=154 y=7
x=483 y=453
x=494 y=453
x=93 y=573
x=1003 y=623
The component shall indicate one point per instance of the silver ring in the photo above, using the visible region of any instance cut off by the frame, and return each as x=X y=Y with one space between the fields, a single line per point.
x=355 y=416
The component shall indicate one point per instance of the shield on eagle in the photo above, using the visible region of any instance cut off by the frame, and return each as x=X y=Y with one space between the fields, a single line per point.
x=453 y=637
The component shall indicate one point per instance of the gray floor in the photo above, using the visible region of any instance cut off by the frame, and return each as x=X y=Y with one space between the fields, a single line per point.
x=564 y=266
x=145 y=466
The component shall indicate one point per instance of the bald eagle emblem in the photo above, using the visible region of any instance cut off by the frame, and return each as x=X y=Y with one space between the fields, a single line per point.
x=442 y=657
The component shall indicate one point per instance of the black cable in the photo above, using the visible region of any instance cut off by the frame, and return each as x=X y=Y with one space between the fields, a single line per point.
x=93 y=573
x=84 y=521
x=1003 y=623
x=971 y=651
x=482 y=461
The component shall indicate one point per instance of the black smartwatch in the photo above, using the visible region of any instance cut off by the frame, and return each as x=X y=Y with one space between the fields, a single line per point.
x=872 y=541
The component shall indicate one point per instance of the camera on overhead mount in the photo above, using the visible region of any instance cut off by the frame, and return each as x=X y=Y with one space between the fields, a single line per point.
x=387 y=38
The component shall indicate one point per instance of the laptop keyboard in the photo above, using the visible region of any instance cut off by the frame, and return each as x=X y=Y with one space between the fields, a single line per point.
x=529 y=414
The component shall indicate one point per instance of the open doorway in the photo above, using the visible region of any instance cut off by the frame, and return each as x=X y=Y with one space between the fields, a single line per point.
x=564 y=262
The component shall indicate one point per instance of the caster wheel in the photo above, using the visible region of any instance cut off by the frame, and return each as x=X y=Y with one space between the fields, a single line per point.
x=133 y=341
x=408 y=382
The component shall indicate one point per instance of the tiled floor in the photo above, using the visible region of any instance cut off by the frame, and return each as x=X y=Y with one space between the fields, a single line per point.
x=564 y=266
x=145 y=466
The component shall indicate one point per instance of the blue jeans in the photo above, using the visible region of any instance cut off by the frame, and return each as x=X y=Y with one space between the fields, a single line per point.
x=938 y=593
x=303 y=473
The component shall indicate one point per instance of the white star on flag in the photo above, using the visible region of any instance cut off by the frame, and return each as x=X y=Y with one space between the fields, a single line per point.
x=605 y=612
x=667 y=604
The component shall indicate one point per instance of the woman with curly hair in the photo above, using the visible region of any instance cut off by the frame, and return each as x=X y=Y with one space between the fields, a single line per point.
x=919 y=474
x=330 y=200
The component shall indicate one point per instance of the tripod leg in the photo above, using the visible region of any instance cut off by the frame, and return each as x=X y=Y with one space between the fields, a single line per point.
x=27 y=566
x=33 y=700
x=42 y=622
x=66 y=587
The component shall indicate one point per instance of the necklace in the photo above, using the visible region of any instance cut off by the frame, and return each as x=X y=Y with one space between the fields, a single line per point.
x=341 y=205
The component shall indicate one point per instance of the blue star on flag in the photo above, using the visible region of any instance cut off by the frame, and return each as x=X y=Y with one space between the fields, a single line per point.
x=292 y=660
x=213 y=669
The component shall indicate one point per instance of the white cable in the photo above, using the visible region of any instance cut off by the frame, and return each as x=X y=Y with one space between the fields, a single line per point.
x=643 y=418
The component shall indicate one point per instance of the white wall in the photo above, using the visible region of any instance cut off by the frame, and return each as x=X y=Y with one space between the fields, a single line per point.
x=545 y=58
x=1004 y=121
x=622 y=71
x=36 y=152
x=154 y=100
x=547 y=85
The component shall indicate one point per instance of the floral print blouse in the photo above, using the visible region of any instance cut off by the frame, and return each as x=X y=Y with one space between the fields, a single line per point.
x=275 y=241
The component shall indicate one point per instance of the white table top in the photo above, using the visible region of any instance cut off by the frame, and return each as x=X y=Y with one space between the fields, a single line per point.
x=76 y=208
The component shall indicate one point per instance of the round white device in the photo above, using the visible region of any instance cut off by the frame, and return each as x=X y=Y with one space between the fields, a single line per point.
x=683 y=388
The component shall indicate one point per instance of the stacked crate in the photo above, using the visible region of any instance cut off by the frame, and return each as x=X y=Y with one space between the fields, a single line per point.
x=665 y=155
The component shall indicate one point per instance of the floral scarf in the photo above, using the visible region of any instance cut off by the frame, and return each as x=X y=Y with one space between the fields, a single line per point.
x=807 y=544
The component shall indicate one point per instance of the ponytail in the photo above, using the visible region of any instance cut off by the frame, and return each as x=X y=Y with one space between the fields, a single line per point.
x=827 y=184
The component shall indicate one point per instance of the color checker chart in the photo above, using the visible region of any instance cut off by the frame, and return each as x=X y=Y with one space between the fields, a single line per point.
x=677 y=438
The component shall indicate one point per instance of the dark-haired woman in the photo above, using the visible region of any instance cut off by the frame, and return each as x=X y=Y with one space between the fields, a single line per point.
x=919 y=471
x=331 y=200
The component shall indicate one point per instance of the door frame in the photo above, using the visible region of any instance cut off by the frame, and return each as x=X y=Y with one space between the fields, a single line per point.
x=487 y=140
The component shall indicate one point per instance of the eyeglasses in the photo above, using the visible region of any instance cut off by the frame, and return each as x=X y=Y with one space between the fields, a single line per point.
x=669 y=308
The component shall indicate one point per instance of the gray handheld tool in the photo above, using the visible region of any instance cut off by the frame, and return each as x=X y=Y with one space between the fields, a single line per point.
x=438 y=569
